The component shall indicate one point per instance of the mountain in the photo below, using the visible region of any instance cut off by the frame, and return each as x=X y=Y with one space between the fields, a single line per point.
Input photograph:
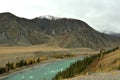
x=20 y=31
x=64 y=32
x=114 y=34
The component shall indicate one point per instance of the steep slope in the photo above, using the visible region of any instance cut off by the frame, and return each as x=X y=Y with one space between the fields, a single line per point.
x=106 y=68
x=20 y=31
x=108 y=63
x=64 y=32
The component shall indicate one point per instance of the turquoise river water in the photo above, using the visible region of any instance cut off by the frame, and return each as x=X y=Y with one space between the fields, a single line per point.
x=43 y=72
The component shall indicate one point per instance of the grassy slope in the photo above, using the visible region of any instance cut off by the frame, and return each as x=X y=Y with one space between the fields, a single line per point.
x=108 y=63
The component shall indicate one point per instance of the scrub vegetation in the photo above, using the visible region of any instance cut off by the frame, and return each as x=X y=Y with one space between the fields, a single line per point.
x=20 y=63
x=79 y=66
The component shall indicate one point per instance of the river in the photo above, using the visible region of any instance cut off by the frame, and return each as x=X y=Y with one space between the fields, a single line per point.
x=44 y=71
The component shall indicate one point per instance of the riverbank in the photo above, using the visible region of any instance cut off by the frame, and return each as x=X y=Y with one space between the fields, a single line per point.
x=33 y=66
x=25 y=68
x=12 y=57
x=113 y=75
x=44 y=70
x=88 y=64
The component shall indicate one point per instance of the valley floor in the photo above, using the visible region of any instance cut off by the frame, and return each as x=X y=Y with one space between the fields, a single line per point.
x=12 y=53
x=114 y=75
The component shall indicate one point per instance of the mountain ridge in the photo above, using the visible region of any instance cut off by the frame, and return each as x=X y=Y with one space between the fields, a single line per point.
x=66 y=32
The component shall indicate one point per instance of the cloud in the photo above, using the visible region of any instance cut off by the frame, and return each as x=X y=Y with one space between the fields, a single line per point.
x=100 y=14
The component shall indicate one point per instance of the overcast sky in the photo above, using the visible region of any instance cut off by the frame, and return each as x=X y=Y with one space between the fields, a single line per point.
x=100 y=14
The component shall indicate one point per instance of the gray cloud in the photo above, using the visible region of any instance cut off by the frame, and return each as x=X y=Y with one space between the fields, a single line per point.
x=100 y=14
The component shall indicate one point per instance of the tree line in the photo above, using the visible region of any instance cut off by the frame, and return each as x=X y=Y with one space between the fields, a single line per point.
x=80 y=65
x=13 y=66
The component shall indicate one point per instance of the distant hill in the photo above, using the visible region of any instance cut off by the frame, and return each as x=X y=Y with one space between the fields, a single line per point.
x=113 y=34
x=64 y=32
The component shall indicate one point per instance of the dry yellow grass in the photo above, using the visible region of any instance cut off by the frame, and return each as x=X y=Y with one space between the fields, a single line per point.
x=109 y=62
x=34 y=48
x=10 y=53
x=16 y=49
